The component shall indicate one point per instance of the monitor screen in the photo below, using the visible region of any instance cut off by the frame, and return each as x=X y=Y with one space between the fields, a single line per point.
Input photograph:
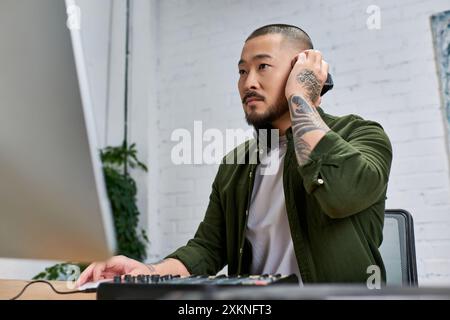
x=53 y=201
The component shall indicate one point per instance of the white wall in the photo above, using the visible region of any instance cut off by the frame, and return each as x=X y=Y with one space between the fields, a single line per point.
x=387 y=75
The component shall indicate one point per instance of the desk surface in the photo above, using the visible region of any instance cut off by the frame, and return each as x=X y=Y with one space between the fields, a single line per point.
x=42 y=291
x=39 y=291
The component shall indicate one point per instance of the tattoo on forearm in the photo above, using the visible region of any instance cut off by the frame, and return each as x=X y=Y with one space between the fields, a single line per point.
x=304 y=119
x=302 y=151
x=310 y=82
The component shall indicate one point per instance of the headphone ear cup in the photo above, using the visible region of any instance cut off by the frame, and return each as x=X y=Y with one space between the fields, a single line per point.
x=328 y=85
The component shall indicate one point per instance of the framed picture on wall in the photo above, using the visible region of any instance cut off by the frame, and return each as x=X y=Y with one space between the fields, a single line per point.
x=440 y=25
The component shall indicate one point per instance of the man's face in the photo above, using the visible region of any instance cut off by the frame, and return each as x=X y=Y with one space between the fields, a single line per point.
x=264 y=68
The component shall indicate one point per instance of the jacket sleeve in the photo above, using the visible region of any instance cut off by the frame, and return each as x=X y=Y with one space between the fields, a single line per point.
x=348 y=175
x=205 y=253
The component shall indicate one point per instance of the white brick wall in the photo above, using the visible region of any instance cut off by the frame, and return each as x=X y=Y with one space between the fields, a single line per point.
x=387 y=75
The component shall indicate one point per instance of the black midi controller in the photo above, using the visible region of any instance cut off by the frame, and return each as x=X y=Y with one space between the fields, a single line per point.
x=167 y=286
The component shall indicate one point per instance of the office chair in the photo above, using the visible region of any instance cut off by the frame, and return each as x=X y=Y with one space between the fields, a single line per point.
x=398 y=249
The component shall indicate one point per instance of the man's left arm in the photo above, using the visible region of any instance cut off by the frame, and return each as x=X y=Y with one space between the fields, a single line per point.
x=345 y=176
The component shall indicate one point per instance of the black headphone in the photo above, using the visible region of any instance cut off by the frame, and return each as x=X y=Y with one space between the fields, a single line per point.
x=328 y=85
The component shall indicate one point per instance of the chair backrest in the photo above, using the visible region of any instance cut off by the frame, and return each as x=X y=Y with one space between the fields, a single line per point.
x=398 y=248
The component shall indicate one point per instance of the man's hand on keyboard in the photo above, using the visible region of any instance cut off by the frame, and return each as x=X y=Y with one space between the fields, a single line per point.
x=116 y=266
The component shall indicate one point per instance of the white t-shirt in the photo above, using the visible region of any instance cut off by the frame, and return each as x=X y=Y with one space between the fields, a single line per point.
x=268 y=227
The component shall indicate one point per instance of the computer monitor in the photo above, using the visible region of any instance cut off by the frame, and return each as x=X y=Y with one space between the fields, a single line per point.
x=53 y=200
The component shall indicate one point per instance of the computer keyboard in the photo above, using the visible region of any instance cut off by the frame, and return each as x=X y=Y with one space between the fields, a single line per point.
x=159 y=287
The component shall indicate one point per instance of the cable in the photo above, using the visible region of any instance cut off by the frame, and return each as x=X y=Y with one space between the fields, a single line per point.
x=53 y=288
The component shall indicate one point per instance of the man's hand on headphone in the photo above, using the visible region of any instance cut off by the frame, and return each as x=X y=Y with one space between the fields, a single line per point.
x=307 y=77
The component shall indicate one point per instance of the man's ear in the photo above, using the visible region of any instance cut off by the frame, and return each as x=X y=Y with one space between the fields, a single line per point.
x=293 y=61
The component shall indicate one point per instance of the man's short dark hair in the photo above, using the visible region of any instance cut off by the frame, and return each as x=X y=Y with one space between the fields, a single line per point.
x=293 y=33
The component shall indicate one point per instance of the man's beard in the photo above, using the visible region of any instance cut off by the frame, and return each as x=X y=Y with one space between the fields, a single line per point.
x=265 y=120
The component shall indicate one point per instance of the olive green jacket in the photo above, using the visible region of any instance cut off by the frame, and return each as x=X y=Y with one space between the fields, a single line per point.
x=335 y=205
